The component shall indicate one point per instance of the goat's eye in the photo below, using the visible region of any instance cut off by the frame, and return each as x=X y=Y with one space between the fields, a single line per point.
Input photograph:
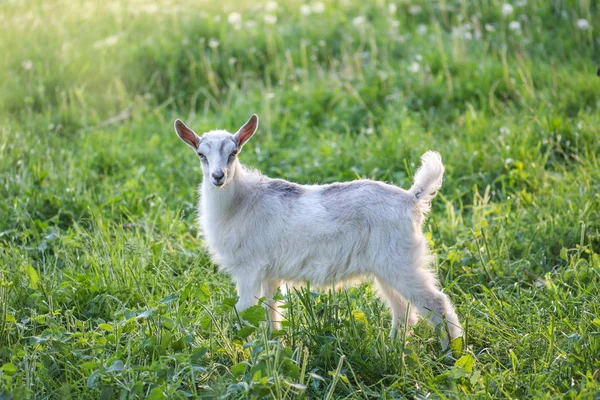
x=202 y=156
x=232 y=155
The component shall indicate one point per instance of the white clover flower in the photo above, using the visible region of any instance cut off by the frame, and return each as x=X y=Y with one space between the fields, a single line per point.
x=305 y=9
x=514 y=26
x=271 y=6
x=270 y=19
x=235 y=18
x=583 y=24
x=232 y=60
x=421 y=29
x=213 y=43
x=490 y=28
x=318 y=7
x=414 y=9
x=392 y=8
x=395 y=23
x=521 y=3
x=507 y=9
x=360 y=20
x=504 y=130
x=27 y=65
x=414 y=67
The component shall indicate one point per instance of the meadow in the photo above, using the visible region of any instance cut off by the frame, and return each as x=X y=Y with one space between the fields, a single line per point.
x=106 y=290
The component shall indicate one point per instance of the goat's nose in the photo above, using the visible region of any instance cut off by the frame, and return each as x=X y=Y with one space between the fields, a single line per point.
x=218 y=175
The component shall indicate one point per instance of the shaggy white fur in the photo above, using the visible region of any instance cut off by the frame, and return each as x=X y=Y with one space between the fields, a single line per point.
x=264 y=231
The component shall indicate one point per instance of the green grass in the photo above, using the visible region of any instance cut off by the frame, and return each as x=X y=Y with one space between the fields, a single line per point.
x=106 y=290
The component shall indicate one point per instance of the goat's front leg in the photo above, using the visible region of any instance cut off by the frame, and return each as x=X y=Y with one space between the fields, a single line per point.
x=248 y=289
x=269 y=289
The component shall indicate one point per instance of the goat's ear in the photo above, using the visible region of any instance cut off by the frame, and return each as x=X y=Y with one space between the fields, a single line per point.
x=187 y=135
x=246 y=131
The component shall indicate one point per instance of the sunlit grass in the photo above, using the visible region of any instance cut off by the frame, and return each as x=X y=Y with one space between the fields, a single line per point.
x=105 y=288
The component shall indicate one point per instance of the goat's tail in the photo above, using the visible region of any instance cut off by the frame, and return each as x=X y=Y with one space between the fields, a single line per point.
x=428 y=179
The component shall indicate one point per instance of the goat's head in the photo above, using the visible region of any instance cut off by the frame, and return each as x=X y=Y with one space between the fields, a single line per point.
x=218 y=149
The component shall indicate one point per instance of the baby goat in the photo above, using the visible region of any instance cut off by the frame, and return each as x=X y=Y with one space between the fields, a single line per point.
x=264 y=231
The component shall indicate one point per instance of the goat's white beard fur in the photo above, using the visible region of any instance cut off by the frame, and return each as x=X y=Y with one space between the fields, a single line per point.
x=264 y=232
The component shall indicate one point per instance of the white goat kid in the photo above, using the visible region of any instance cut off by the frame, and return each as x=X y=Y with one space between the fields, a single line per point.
x=264 y=231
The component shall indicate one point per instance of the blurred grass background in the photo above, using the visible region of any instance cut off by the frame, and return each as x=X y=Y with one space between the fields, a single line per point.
x=105 y=289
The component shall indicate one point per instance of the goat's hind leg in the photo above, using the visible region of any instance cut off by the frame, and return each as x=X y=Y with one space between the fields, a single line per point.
x=403 y=314
x=419 y=286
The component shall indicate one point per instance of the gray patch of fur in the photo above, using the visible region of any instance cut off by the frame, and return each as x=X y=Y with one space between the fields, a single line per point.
x=283 y=188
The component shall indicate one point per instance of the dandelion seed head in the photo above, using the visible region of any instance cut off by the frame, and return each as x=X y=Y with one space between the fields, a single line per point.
x=360 y=20
x=414 y=67
x=514 y=26
x=414 y=9
x=234 y=18
x=507 y=9
x=305 y=9
x=270 y=19
x=271 y=6
x=318 y=7
x=583 y=24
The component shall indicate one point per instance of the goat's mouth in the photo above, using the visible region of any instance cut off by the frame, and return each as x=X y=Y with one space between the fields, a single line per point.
x=218 y=182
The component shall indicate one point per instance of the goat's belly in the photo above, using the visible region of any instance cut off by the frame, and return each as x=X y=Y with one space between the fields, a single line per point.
x=322 y=266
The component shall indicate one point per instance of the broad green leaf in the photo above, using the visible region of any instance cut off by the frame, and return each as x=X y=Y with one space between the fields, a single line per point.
x=117 y=366
x=290 y=368
x=93 y=378
x=457 y=345
x=246 y=331
x=254 y=315
x=230 y=301
x=144 y=314
x=33 y=277
x=9 y=369
x=238 y=369
x=466 y=362
x=169 y=299
x=88 y=365
x=157 y=394
x=106 y=327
